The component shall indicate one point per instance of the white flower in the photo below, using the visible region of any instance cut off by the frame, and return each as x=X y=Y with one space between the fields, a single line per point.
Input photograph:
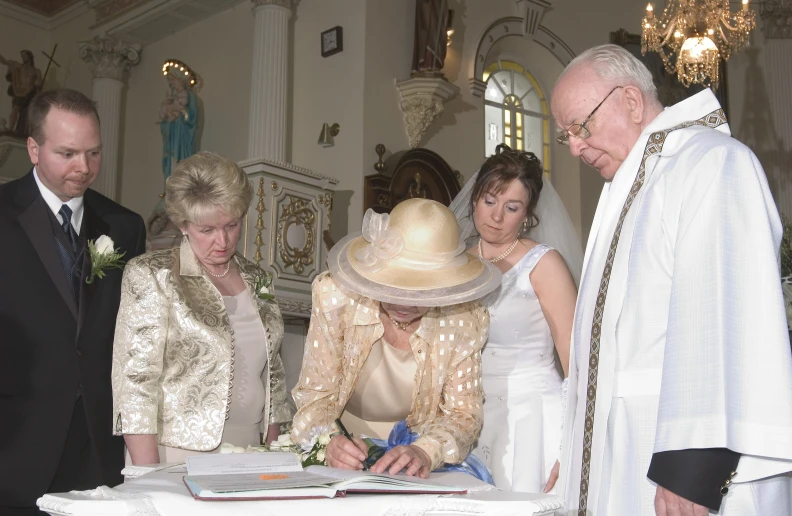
x=226 y=448
x=263 y=290
x=285 y=440
x=320 y=455
x=104 y=245
x=324 y=439
x=230 y=448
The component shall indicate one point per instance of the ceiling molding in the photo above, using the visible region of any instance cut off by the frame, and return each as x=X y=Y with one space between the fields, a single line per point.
x=147 y=21
x=41 y=21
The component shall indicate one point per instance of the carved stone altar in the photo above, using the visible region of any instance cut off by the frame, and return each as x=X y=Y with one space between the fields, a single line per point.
x=283 y=229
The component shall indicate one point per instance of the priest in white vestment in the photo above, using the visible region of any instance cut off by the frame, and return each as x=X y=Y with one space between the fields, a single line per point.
x=680 y=395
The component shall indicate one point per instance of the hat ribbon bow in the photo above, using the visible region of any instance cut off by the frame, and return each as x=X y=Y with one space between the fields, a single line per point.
x=384 y=243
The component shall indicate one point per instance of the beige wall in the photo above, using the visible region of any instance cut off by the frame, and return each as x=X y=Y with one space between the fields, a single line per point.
x=330 y=90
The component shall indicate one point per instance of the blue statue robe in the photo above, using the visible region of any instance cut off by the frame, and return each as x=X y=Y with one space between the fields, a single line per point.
x=178 y=136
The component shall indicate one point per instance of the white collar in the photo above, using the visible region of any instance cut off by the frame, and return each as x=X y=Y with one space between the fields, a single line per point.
x=76 y=204
x=692 y=108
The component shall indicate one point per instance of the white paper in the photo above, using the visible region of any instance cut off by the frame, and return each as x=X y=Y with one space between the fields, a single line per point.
x=237 y=463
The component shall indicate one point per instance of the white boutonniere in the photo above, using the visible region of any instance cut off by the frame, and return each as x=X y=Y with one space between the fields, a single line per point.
x=103 y=256
x=263 y=287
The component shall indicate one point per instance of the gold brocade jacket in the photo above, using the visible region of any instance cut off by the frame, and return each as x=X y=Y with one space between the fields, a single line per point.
x=446 y=409
x=172 y=354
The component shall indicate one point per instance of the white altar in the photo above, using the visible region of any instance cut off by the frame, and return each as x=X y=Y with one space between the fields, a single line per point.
x=162 y=493
x=282 y=233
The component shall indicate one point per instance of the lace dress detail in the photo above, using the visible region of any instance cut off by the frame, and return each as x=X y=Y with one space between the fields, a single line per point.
x=522 y=384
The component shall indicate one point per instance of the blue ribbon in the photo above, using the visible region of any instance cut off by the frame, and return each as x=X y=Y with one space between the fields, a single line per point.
x=400 y=435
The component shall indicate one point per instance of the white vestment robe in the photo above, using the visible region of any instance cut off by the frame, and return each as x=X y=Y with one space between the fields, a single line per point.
x=694 y=349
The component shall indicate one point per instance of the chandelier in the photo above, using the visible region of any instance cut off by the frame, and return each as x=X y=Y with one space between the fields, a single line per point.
x=692 y=36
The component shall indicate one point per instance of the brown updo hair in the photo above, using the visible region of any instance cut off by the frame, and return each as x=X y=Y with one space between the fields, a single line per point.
x=503 y=167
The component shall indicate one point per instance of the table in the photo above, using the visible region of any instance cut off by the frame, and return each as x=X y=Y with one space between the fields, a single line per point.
x=162 y=493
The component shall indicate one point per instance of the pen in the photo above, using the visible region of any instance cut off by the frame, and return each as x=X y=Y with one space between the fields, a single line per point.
x=346 y=434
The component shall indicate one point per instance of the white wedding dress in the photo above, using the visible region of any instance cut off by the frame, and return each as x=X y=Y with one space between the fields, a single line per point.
x=520 y=439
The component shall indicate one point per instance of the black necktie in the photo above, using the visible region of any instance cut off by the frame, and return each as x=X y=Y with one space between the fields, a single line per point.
x=68 y=257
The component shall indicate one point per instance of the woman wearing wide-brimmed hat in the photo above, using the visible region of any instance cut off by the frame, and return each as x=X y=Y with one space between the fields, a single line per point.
x=396 y=334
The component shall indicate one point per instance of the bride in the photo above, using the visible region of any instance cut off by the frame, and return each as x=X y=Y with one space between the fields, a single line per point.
x=512 y=217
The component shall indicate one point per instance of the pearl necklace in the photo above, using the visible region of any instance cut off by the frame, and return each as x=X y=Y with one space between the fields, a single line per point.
x=400 y=325
x=228 y=268
x=502 y=256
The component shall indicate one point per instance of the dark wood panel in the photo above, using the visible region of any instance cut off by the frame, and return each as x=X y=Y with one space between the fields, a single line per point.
x=410 y=174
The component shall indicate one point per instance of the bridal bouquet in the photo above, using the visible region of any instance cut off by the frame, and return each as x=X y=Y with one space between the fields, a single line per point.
x=312 y=454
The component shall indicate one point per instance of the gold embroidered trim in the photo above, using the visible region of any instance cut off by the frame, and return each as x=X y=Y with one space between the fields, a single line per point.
x=653 y=146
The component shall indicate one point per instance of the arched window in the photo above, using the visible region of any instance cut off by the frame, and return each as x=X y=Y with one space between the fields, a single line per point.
x=515 y=111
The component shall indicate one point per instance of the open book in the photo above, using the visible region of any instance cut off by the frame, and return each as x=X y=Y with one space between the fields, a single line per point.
x=262 y=476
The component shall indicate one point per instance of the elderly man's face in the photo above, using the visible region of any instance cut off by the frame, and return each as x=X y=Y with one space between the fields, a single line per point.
x=613 y=131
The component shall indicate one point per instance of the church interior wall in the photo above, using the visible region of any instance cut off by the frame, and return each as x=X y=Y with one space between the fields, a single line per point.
x=16 y=36
x=355 y=88
x=331 y=90
x=73 y=72
x=219 y=49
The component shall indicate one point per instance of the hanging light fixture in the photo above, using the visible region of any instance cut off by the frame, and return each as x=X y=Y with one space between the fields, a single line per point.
x=692 y=36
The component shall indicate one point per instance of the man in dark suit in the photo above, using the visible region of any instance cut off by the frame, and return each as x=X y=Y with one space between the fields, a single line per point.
x=56 y=330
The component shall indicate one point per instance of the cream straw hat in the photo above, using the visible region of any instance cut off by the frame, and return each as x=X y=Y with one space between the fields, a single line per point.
x=412 y=257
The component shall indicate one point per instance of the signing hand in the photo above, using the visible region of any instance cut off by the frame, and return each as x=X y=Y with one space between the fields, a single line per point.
x=551 y=481
x=670 y=504
x=345 y=454
x=413 y=458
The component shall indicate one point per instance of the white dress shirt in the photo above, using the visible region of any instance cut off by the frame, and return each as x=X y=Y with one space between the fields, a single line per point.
x=54 y=203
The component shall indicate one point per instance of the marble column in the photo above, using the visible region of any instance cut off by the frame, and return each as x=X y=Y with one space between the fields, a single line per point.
x=269 y=89
x=109 y=60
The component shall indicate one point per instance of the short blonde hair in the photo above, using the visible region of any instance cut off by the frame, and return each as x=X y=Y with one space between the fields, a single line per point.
x=203 y=184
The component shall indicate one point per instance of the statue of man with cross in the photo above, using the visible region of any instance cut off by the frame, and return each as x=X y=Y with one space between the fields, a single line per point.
x=25 y=82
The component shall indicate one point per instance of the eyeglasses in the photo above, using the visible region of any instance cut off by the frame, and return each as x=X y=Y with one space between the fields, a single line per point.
x=580 y=130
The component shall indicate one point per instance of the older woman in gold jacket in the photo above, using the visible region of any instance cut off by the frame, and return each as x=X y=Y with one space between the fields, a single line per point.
x=196 y=355
x=395 y=334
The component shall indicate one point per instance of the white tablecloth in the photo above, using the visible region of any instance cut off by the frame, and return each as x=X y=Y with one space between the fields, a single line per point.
x=162 y=493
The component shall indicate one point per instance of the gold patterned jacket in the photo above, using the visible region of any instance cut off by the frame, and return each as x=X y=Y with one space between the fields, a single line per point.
x=447 y=401
x=172 y=355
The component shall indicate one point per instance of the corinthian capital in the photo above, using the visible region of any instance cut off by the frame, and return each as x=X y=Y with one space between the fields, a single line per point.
x=109 y=58
x=288 y=4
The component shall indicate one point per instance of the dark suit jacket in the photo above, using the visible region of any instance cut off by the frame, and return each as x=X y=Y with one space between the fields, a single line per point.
x=49 y=350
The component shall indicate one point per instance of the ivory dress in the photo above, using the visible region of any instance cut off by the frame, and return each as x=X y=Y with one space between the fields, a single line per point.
x=384 y=391
x=243 y=426
x=520 y=439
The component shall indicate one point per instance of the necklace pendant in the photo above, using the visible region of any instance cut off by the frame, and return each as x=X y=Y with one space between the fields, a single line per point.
x=400 y=325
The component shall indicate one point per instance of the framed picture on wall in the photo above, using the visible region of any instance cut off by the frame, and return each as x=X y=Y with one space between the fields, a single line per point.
x=669 y=89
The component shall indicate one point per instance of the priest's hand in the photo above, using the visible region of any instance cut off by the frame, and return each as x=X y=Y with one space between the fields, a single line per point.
x=345 y=454
x=551 y=481
x=670 y=504
x=412 y=458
